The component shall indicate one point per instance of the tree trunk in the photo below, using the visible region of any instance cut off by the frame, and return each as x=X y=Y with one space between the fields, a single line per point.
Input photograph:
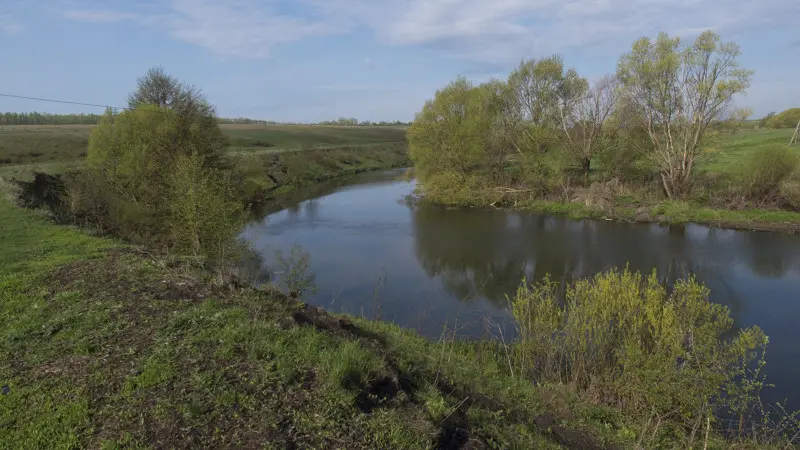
x=667 y=186
x=587 y=162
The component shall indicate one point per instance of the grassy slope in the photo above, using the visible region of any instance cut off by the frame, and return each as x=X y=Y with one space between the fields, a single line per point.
x=743 y=143
x=55 y=149
x=103 y=346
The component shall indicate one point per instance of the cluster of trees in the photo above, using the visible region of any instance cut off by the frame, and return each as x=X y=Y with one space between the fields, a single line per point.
x=157 y=173
x=37 y=118
x=529 y=133
x=786 y=119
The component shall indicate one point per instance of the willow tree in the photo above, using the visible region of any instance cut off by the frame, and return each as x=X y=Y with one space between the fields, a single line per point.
x=678 y=91
x=460 y=141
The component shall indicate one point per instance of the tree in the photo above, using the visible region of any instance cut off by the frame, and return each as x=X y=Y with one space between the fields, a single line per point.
x=161 y=89
x=678 y=92
x=584 y=131
x=762 y=123
x=737 y=118
x=543 y=88
x=543 y=93
x=459 y=139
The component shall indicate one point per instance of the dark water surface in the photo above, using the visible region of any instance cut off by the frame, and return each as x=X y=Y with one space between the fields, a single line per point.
x=456 y=266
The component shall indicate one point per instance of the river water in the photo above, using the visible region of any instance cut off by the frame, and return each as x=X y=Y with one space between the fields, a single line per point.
x=422 y=267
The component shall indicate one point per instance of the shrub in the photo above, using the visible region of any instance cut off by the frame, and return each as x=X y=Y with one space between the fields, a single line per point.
x=155 y=176
x=293 y=272
x=625 y=340
x=203 y=212
x=790 y=196
x=760 y=176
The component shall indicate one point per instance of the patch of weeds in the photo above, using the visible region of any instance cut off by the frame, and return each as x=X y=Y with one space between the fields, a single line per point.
x=156 y=371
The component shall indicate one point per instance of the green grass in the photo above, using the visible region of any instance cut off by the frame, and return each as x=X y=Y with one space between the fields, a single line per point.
x=104 y=346
x=669 y=211
x=246 y=138
x=735 y=148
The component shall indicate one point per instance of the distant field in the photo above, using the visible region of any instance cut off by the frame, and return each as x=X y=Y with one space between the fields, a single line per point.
x=28 y=148
x=737 y=147
x=244 y=137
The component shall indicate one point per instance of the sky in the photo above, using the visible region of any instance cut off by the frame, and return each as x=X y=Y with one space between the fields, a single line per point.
x=312 y=60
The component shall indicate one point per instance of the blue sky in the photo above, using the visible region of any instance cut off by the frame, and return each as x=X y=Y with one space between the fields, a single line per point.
x=310 y=60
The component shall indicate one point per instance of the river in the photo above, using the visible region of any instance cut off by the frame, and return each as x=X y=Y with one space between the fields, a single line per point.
x=376 y=255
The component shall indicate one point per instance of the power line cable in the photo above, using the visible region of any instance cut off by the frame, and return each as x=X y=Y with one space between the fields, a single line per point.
x=58 y=101
x=115 y=109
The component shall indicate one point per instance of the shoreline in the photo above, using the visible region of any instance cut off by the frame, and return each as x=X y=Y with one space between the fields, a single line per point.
x=741 y=220
x=711 y=217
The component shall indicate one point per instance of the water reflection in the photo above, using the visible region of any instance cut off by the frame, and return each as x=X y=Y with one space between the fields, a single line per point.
x=484 y=253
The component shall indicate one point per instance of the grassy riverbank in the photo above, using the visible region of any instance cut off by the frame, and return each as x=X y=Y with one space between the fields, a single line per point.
x=104 y=345
x=672 y=212
x=638 y=201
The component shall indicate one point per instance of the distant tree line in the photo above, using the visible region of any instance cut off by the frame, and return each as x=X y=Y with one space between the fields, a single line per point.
x=37 y=118
x=785 y=119
x=352 y=122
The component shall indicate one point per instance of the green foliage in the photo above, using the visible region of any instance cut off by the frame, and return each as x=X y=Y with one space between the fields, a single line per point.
x=481 y=144
x=677 y=92
x=623 y=339
x=156 y=176
x=452 y=132
x=203 y=214
x=761 y=175
x=544 y=92
x=764 y=121
x=620 y=157
x=786 y=119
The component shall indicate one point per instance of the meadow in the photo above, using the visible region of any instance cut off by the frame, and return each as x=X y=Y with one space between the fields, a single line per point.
x=26 y=149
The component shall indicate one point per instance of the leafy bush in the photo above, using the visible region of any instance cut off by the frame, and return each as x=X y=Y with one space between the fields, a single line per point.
x=623 y=339
x=156 y=176
x=622 y=159
x=760 y=177
x=202 y=212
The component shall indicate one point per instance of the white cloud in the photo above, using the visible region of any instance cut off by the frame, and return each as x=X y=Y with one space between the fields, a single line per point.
x=9 y=26
x=242 y=28
x=482 y=30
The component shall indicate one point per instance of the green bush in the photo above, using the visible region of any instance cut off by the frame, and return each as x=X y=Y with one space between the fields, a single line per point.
x=203 y=215
x=623 y=339
x=156 y=176
x=760 y=177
